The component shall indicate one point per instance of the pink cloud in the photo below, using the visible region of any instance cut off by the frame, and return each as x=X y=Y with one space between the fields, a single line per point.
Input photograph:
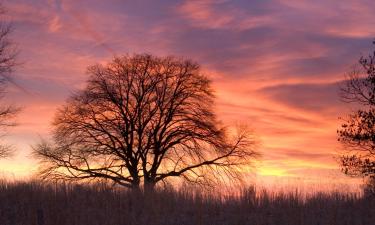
x=216 y=14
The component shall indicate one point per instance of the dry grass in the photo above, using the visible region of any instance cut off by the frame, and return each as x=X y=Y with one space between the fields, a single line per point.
x=32 y=203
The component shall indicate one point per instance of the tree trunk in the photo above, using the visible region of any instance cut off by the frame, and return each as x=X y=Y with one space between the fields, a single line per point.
x=135 y=185
x=149 y=186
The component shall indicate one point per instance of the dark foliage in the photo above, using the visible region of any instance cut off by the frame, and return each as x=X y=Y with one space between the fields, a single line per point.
x=357 y=133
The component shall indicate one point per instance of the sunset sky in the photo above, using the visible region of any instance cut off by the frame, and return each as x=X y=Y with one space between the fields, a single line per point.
x=276 y=65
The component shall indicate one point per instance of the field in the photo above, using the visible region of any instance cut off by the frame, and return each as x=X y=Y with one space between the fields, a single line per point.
x=34 y=203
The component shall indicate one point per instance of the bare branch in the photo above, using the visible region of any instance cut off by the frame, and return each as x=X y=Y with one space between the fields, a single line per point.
x=357 y=133
x=8 y=53
x=143 y=119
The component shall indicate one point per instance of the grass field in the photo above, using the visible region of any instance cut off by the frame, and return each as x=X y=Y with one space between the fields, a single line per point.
x=33 y=203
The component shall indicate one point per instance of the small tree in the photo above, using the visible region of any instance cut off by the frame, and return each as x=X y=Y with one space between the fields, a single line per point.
x=357 y=133
x=141 y=120
x=8 y=54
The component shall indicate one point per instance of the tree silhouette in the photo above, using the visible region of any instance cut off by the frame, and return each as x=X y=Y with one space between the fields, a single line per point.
x=357 y=132
x=8 y=54
x=141 y=120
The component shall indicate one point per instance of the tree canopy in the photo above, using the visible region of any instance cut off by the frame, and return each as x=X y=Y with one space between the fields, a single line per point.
x=8 y=53
x=143 y=119
x=357 y=133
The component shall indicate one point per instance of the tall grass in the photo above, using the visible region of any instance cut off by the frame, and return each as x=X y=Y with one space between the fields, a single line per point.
x=34 y=203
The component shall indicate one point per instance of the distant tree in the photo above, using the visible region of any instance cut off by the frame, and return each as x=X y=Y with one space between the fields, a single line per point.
x=8 y=54
x=369 y=187
x=357 y=132
x=140 y=120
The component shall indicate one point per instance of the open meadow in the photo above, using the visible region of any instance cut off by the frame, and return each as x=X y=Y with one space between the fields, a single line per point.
x=61 y=204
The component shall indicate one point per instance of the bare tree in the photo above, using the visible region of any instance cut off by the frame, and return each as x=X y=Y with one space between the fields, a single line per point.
x=357 y=133
x=141 y=120
x=8 y=54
